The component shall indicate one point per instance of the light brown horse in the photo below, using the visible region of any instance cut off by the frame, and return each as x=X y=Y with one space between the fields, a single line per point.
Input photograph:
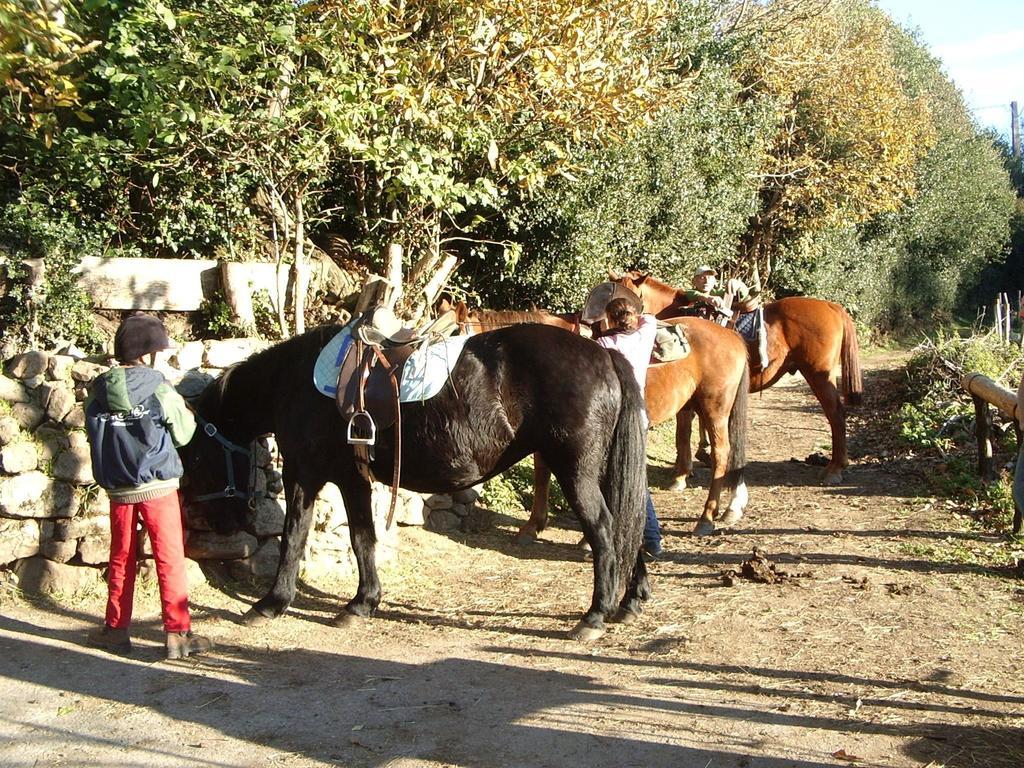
x=713 y=381
x=474 y=321
x=815 y=337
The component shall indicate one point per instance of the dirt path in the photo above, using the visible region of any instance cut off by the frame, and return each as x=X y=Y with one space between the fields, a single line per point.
x=885 y=647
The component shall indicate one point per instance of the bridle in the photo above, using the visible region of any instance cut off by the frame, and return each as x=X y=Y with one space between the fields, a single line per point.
x=230 y=490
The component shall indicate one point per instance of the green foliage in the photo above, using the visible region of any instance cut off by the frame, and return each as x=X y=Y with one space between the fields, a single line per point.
x=551 y=138
x=939 y=418
x=512 y=492
x=677 y=194
x=266 y=319
x=913 y=266
x=936 y=366
x=216 y=319
x=926 y=424
x=59 y=309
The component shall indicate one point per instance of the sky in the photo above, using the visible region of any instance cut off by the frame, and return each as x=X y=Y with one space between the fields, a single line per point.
x=981 y=44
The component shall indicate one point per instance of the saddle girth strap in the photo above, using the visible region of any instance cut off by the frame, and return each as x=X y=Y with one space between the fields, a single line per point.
x=363 y=453
x=397 y=469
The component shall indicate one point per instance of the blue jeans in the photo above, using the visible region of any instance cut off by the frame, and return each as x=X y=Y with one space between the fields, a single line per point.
x=652 y=531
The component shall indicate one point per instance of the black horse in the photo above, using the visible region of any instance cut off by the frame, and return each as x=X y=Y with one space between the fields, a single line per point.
x=513 y=392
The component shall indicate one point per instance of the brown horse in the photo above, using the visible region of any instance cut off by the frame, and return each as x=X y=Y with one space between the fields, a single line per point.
x=815 y=337
x=474 y=321
x=713 y=381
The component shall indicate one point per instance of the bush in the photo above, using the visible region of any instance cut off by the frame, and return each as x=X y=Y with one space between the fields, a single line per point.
x=58 y=312
x=512 y=492
x=939 y=418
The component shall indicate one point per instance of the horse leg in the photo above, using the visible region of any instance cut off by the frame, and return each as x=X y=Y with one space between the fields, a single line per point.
x=825 y=390
x=638 y=591
x=737 y=504
x=297 y=519
x=684 y=457
x=358 y=504
x=718 y=432
x=539 y=513
x=703 y=443
x=584 y=495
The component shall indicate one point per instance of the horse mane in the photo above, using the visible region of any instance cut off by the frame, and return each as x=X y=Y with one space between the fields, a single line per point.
x=259 y=375
x=508 y=316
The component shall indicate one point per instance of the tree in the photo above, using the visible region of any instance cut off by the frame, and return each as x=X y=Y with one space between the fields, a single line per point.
x=917 y=263
x=472 y=104
x=678 y=193
x=400 y=121
x=36 y=53
x=848 y=132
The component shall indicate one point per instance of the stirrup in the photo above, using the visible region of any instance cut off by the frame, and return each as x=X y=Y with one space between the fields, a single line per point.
x=369 y=425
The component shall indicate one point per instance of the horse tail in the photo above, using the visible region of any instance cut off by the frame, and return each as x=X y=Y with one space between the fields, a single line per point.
x=624 y=482
x=738 y=432
x=853 y=389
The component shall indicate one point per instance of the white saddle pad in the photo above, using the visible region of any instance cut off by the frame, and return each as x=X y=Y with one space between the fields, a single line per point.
x=423 y=374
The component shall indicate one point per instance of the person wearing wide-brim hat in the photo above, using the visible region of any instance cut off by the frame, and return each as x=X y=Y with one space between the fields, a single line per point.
x=708 y=295
x=135 y=420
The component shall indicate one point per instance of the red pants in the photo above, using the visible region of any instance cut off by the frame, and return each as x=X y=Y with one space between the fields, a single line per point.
x=162 y=518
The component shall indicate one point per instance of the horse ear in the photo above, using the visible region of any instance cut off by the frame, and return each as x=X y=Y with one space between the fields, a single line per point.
x=444 y=303
x=614 y=276
x=461 y=312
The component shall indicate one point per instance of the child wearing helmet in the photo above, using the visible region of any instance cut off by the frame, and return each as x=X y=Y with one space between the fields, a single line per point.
x=135 y=420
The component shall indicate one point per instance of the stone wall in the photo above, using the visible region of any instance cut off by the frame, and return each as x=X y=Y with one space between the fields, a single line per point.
x=54 y=524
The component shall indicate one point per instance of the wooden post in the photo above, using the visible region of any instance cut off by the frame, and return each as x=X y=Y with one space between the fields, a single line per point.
x=984 y=387
x=375 y=293
x=237 y=292
x=983 y=431
x=1020 y=314
x=394 y=274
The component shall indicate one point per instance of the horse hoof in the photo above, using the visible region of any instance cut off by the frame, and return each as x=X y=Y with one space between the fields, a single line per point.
x=525 y=537
x=584 y=633
x=703 y=457
x=833 y=477
x=678 y=485
x=704 y=528
x=730 y=518
x=346 y=620
x=253 y=618
x=622 y=616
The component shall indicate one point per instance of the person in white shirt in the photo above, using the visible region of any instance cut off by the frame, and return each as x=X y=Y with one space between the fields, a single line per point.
x=632 y=334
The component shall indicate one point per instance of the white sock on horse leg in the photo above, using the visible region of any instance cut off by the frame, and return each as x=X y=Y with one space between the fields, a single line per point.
x=740 y=497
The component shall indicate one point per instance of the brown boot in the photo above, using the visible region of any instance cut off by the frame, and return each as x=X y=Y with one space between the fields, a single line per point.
x=110 y=639
x=180 y=645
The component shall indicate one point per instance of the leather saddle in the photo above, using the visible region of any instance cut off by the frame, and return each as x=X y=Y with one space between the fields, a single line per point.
x=371 y=372
x=369 y=381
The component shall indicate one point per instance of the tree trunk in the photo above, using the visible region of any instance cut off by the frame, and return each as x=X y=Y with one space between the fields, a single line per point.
x=300 y=269
x=394 y=274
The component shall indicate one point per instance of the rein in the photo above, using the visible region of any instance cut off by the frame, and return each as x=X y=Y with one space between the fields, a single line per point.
x=230 y=490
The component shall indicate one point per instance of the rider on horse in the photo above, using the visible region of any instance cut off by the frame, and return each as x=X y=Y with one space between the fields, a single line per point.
x=708 y=298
